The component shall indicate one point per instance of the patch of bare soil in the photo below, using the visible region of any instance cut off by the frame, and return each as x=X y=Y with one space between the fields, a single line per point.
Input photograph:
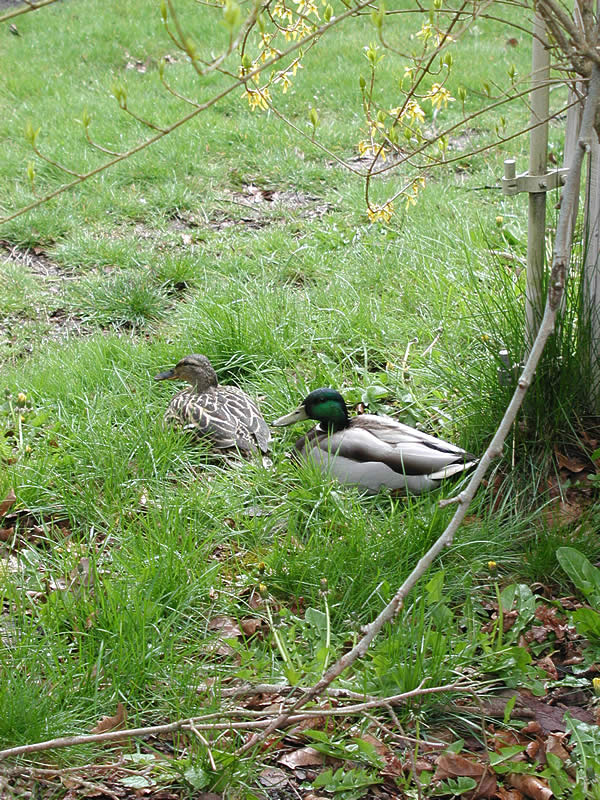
x=308 y=205
x=37 y=262
x=257 y=199
x=464 y=139
x=60 y=323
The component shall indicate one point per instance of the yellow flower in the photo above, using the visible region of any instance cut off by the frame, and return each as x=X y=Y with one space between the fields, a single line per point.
x=285 y=81
x=306 y=7
x=415 y=112
x=383 y=213
x=258 y=98
x=426 y=32
x=492 y=565
x=412 y=193
x=21 y=399
x=596 y=685
x=439 y=95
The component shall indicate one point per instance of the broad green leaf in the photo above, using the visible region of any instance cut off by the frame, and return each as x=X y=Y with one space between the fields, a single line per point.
x=519 y=596
x=434 y=587
x=554 y=762
x=508 y=708
x=587 y=622
x=584 y=575
x=197 y=777
x=137 y=782
x=505 y=754
x=317 y=618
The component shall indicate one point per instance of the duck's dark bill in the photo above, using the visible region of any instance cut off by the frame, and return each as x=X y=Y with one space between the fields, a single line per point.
x=295 y=416
x=165 y=376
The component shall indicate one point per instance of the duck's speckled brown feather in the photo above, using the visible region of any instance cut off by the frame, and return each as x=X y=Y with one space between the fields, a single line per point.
x=225 y=415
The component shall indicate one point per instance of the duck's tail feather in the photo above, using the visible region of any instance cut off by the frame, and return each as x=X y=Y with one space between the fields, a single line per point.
x=453 y=469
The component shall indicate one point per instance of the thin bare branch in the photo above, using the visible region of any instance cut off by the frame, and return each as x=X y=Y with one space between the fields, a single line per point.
x=209 y=722
x=26 y=9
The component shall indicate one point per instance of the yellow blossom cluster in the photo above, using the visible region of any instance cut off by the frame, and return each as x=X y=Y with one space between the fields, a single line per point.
x=294 y=21
x=368 y=147
x=412 y=193
x=428 y=32
x=258 y=98
x=381 y=213
x=439 y=96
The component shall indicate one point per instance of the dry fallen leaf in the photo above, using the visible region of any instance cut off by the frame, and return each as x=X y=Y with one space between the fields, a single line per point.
x=112 y=723
x=549 y=667
x=303 y=757
x=554 y=745
x=571 y=463
x=393 y=765
x=8 y=502
x=250 y=625
x=273 y=777
x=508 y=794
x=530 y=786
x=452 y=765
x=226 y=626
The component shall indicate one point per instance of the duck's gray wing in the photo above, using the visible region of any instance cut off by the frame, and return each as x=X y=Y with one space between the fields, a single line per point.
x=403 y=449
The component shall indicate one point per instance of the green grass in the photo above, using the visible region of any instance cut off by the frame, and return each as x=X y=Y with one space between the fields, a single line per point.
x=160 y=257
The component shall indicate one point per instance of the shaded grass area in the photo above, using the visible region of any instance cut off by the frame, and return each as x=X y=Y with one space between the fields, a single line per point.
x=173 y=253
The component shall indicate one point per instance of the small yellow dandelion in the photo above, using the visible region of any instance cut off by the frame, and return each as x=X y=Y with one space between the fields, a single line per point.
x=21 y=399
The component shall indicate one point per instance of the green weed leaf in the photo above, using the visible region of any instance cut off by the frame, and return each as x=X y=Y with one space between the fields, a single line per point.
x=582 y=572
x=317 y=618
x=508 y=708
x=137 y=782
x=197 y=778
x=455 y=787
x=587 y=622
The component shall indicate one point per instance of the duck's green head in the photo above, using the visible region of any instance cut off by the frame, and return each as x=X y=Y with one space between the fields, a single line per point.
x=327 y=406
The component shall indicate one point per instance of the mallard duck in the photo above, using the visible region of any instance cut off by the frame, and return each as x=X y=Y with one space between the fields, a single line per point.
x=370 y=451
x=224 y=415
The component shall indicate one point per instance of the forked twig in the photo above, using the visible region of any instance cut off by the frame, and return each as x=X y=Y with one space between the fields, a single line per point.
x=210 y=722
